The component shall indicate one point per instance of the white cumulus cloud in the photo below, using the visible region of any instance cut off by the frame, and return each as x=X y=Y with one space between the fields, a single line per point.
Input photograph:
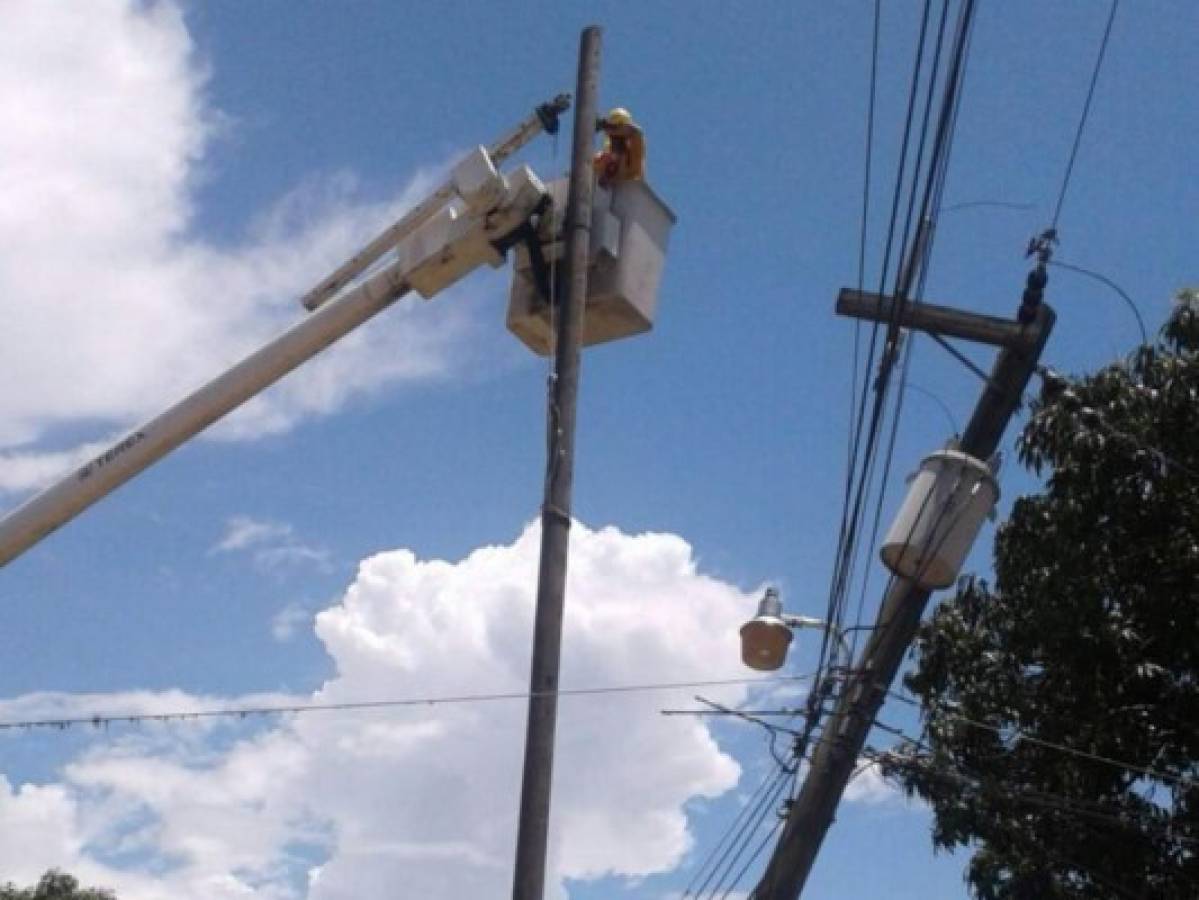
x=871 y=787
x=333 y=805
x=273 y=546
x=245 y=531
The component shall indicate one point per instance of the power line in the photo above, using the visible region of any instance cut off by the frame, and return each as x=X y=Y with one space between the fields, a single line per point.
x=743 y=715
x=954 y=429
x=882 y=491
x=910 y=272
x=753 y=856
x=868 y=165
x=1075 y=805
x=1021 y=735
x=742 y=829
x=1096 y=813
x=719 y=852
x=745 y=834
x=1092 y=415
x=921 y=250
x=1111 y=284
x=852 y=508
x=917 y=256
x=982 y=783
x=999 y=204
x=1086 y=109
x=247 y=711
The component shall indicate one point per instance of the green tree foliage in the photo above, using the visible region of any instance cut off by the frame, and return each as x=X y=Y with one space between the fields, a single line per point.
x=1089 y=640
x=54 y=885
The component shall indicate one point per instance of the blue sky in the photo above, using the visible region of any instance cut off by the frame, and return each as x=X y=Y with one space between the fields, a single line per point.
x=181 y=172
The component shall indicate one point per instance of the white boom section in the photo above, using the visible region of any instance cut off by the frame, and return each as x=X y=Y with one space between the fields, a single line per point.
x=453 y=243
x=545 y=118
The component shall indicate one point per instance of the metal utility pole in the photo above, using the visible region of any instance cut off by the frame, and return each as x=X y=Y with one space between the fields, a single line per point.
x=528 y=880
x=866 y=687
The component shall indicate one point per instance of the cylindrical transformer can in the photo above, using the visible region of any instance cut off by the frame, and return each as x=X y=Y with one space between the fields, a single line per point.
x=948 y=498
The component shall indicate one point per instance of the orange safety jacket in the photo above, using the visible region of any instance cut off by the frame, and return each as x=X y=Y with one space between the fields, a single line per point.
x=613 y=165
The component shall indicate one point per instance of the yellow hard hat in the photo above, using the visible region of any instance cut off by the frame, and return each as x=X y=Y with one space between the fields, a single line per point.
x=619 y=116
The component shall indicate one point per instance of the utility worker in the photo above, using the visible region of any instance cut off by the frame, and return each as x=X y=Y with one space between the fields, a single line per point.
x=623 y=156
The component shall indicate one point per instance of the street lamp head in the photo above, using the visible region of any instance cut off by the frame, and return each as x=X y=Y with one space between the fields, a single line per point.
x=765 y=637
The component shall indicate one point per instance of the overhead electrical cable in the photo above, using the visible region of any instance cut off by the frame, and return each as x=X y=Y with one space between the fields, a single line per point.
x=288 y=709
x=1095 y=813
x=882 y=493
x=914 y=271
x=954 y=428
x=747 y=831
x=852 y=505
x=1000 y=204
x=1086 y=110
x=921 y=251
x=1111 y=284
x=867 y=166
x=752 y=858
x=1014 y=732
x=973 y=778
x=717 y=855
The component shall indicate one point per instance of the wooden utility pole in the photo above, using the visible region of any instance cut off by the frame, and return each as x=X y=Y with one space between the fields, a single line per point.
x=866 y=687
x=528 y=880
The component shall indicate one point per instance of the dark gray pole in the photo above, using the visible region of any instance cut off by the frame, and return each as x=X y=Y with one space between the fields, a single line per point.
x=528 y=880
x=899 y=617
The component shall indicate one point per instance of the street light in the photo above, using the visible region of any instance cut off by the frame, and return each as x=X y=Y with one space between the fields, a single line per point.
x=766 y=637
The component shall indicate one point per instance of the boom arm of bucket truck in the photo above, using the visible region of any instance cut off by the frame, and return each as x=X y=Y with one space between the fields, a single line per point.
x=469 y=221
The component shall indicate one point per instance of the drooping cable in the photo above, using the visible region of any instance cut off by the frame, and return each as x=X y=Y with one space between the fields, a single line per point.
x=1073 y=806
x=1111 y=284
x=954 y=428
x=944 y=765
x=1020 y=734
x=62 y=723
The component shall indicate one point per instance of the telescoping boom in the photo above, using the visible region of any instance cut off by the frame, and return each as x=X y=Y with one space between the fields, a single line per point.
x=469 y=221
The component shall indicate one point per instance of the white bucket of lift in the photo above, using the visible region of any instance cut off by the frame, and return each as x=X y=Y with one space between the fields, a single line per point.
x=630 y=231
x=948 y=499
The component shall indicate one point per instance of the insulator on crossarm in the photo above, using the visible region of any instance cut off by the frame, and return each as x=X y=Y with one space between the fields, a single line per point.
x=1034 y=293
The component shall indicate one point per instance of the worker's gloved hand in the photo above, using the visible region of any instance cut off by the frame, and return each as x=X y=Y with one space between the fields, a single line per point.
x=602 y=125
